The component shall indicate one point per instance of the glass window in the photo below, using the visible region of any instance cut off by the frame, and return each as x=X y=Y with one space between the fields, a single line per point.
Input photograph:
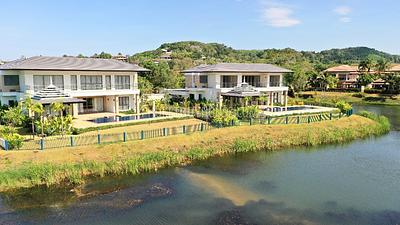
x=11 y=80
x=274 y=80
x=203 y=79
x=108 y=82
x=252 y=80
x=122 y=82
x=88 y=104
x=42 y=81
x=74 y=82
x=229 y=81
x=91 y=82
x=123 y=103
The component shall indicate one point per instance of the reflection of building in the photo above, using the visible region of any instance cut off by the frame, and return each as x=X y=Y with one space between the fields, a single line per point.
x=347 y=75
x=104 y=85
x=232 y=81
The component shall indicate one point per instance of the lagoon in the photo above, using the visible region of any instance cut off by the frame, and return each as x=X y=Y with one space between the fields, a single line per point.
x=351 y=183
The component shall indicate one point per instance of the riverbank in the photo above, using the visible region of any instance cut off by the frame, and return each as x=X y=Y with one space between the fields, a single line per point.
x=67 y=166
x=329 y=98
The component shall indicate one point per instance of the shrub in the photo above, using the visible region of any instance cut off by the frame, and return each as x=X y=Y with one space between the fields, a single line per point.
x=382 y=120
x=343 y=106
x=9 y=134
x=247 y=112
x=359 y=95
x=55 y=125
x=222 y=117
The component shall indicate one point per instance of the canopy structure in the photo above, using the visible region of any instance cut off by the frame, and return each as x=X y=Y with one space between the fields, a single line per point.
x=52 y=94
x=242 y=91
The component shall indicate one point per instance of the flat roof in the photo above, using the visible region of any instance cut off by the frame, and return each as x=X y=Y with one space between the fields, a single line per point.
x=70 y=64
x=238 y=67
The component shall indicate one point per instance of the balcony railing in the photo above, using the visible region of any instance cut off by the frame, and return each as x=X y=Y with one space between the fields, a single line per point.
x=274 y=84
x=122 y=86
x=229 y=84
x=86 y=87
x=91 y=87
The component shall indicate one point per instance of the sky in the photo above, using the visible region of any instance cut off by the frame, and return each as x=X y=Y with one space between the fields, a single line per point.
x=72 y=27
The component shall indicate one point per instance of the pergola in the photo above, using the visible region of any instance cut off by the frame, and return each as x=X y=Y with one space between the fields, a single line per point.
x=239 y=93
x=51 y=94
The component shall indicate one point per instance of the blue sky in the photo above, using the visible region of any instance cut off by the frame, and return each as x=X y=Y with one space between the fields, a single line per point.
x=48 y=27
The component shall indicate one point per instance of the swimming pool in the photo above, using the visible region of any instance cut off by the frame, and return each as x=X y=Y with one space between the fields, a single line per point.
x=111 y=119
x=289 y=108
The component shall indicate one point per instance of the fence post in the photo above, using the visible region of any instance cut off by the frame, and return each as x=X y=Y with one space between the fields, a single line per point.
x=340 y=115
x=202 y=126
x=98 y=137
x=124 y=136
x=251 y=121
x=71 y=139
x=309 y=119
x=320 y=117
x=142 y=135
x=330 y=116
x=164 y=131
x=298 y=119
x=184 y=129
x=232 y=123
x=6 y=145
x=287 y=119
x=269 y=120
x=41 y=143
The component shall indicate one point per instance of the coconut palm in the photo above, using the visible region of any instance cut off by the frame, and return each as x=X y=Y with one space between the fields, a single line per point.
x=28 y=104
x=382 y=65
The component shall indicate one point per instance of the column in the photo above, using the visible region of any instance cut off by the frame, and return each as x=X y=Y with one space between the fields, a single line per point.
x=137 y=103
x=116 y=103
x=239 y=80
x=286 y=99
x=220 y=101
x=272 y=101
x=103 y=81
x=78 y=82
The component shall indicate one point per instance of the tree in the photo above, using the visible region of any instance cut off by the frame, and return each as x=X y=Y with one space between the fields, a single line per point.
x=161 y=75
x=14 y=116
x=393 y=81
x=104 y=55
x=59 y=107
x=28 y=105
x=366 y=65
x=382 y=65
x=365 y=79
x=39 y=109
x=145 y=86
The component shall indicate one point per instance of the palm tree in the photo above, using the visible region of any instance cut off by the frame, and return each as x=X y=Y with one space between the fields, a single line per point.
x=365 y=65
x=38 y=109
x=59 y=107
x=28 y=104
x=247 y=99
x=382 y=65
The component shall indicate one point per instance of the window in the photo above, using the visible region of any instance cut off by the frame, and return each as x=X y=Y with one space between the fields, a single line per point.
x=42 y=81
x=122 y=82
x=274 y=81
x=252 y=80
x=11 y=80
x=123 y=103
x=108 y=82
x=74 y=83
x=203 y=79
x=229 y=81
x=91 y=82
x=88 y=104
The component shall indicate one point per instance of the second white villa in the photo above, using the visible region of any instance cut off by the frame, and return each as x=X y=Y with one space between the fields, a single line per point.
x=89 y=85
x=232 y=82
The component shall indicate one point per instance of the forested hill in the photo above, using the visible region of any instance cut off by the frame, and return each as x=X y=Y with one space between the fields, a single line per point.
x=214 y=52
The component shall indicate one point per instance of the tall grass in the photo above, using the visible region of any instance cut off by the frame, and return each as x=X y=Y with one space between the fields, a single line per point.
x=31 y=174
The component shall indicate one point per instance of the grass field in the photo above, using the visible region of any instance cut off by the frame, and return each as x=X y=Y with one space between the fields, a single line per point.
x=72 y=165
x=353 y=98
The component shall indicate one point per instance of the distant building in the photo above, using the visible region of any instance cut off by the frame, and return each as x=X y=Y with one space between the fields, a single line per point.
x=122 y=58
x=166 y=55
x=347 y=75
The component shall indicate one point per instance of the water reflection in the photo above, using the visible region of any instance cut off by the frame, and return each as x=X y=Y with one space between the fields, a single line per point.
x=355 y=183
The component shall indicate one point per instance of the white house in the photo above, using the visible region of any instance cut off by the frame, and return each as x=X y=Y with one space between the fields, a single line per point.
x=88 y=84
x=232 y=81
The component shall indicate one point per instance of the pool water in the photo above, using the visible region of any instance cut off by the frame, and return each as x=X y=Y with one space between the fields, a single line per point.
x=111 y=119
x=290 y=108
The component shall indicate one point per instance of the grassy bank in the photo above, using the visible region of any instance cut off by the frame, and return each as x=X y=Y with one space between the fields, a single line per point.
x=328 y=98
x=51 y=167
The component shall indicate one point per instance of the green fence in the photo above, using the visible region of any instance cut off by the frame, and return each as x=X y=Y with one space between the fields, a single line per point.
x=82 y=140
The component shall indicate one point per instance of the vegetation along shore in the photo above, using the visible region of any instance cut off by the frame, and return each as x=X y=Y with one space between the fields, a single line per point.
x=20 y=169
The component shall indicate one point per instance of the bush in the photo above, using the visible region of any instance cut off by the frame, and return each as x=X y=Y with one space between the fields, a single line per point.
x=343 y=106
x=9 y=134
x=373 y=91
x=247 y=112
x=222 y=117
x=382 y=120
x=55 y=125
x=359 y=95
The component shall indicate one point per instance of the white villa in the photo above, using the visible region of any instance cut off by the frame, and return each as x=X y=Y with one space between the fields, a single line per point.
x=233 y=81
x=89 y=85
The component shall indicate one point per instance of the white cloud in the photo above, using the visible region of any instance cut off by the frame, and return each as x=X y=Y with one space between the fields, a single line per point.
x=279 y=16
x=345 y=19
x=343 y=12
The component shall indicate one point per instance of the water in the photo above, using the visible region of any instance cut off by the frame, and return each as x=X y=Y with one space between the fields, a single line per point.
x=126 y=118
x=356 y=183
